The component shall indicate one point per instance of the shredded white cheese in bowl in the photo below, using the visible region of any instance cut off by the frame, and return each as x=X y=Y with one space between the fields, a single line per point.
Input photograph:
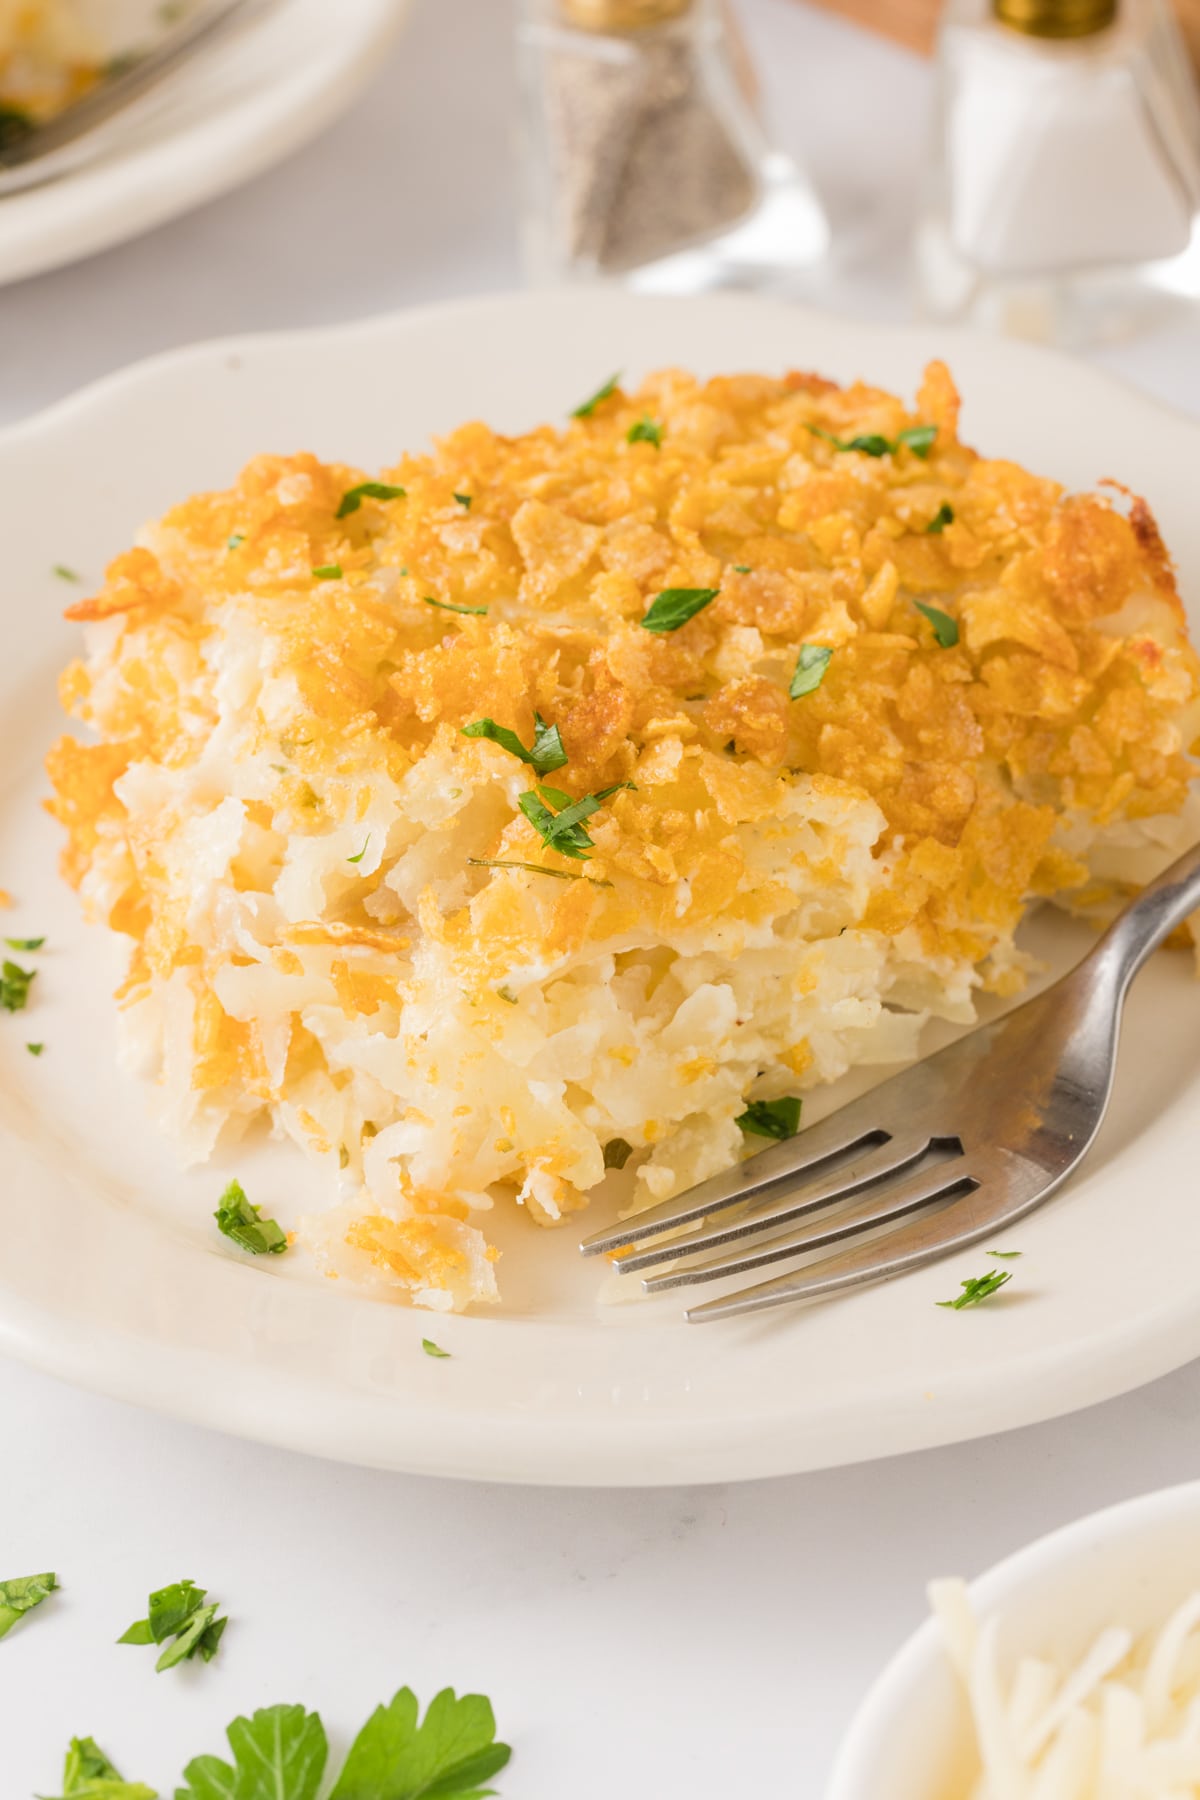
x=1071 y=1671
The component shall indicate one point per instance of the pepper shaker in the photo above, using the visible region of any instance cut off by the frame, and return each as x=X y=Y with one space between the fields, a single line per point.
x=1066 y=166
x=643 y=155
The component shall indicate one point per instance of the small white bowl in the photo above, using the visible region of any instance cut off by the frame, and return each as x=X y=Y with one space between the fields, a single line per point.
x=911 y=1738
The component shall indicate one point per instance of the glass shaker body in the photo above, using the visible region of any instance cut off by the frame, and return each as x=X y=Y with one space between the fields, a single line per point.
x=643 y=158
x=1065 y=178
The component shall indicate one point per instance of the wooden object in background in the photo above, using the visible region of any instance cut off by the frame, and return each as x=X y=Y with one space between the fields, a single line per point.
x=914 y=22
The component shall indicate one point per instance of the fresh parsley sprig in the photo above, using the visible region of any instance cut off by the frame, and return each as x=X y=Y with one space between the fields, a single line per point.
x=499 y=862
x=811 y=665
x=675 y=606
x=772 y=1118
x=562 y=829
x=25 y=943
x=645 y=431
x=245 y=1225
x=617 y=1153
x=942 y=517
x=450 y=606
x=977 y=1288
x=353 y=498
x=606 y=392
x=20 y=1595
x=546 y=754
x=181 y=1617
x=918 y=438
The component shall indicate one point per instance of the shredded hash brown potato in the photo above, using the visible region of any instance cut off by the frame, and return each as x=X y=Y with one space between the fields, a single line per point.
x=342 y=917
x=47 y=58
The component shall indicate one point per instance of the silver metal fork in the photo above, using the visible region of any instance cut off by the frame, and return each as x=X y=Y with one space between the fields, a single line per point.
x=932 y=1159
x=62 y=143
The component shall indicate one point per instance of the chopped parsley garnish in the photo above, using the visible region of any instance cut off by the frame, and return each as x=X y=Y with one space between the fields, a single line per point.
x=945 y=629
x=465 y=500
x=66 y=574
x=244 y=1223
x=89 y=1775
x=449 y=606
x=942 y=517
x=742 y=569
x=547 y=753
x=432 y=1349
x=811 y=665
x=617 y=1153
x=280 y=1754
x=645 y=431
x=1006 y=1255
x=362 y=852
x=14 y=986
x=562 y=829
x=675 y=606
x=35 y=1049
x=353 y=498
x=15 y=124
x=495 y=862
x=919 y=439
x=506 y=993
x=20 y=1595
x=772 y=1118
x=179 y=1614
x=235 y=541
x=25 y=943
x=328 y=572
x=601 y=394
x=978 y=1288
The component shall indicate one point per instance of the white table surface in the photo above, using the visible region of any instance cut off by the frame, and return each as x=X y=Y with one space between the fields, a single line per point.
x=701 y=1643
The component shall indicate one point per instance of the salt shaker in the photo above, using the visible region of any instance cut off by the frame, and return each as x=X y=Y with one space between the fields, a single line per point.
x=1066 y=167
x=643 y=155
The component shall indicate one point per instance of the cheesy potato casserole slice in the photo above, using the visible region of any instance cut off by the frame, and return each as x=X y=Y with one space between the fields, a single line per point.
x=556 y=802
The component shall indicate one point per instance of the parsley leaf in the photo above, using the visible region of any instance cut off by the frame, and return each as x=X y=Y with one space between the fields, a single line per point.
x=328 y=572
x=432 y=1349
x=235 y=540
x=547 y=753
x=362 y=852
x=449 y=606
x=811 y=665
x=25 y=943
x=35 y=1049
x=89 y=1775
x=450 y=1754
x=66 y=574
x=14 y=986
x=978 y=1288
x=617 y=1153
x=645 y=431
x=772 y=1118
x=1006 y=1255
x=563 y=830
x=945 y=629
x=179 y=1613
x=353 y=498
x=465 y=500
x=21 y=1595
x=942 y=517
x=601 y=394
x=675 y=606
x=495 y=862
x=246 y=1226
x=742 y=569
x=919 y=439
x=279 y=1753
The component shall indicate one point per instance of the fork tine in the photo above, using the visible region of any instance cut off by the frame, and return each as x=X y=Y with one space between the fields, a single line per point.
x=892 y=1157
x=850 y=1128
x=879 y=1206
x=1008 y=1189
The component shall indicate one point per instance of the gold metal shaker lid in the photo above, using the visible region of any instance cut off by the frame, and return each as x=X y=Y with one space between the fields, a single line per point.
x=621 y=15
x=1056 y=18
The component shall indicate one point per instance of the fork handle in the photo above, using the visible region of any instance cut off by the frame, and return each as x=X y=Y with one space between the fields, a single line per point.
x=1151 y=917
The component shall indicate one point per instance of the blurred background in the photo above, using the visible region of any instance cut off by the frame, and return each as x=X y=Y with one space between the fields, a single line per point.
x=1029 y=166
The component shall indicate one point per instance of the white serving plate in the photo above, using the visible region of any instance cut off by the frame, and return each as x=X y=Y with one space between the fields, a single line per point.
x=111 y=1273
x=1130 y=1565
x=231 y=112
